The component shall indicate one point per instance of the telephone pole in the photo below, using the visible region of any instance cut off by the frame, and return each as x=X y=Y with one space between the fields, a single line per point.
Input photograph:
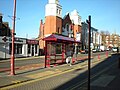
x=13 y=39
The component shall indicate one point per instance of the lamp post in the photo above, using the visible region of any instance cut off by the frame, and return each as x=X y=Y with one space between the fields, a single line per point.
x=89 y=50
x=13 y=33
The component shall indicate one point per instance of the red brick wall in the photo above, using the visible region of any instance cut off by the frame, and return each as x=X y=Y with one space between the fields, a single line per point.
x=77 y=28
x=52 y=23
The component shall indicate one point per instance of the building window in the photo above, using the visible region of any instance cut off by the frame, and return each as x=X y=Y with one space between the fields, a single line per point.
x=58 y=48
x=67 y=27
x=29 y=48
x=58 y=30
x=35 y=49
x=59 y=11
x=17 y=48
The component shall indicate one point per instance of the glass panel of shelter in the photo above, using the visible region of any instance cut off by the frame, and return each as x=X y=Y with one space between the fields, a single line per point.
x=57 y=51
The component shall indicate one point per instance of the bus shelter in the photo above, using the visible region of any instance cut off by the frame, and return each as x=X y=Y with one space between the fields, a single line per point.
x=55 y=48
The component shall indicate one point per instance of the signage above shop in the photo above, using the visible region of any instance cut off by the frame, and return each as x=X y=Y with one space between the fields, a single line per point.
x=16 y=39
x=32 y=41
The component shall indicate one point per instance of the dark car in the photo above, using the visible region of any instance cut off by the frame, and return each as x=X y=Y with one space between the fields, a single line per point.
x=85 y=51
x=95 y=50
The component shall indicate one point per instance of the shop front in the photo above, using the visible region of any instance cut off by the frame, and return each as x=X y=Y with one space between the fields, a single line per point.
x=22 y=47
x=32 y=47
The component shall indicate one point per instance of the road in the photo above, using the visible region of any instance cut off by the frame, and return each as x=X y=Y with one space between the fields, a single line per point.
x=20 y=62
x=23 y=62
x=73 y=80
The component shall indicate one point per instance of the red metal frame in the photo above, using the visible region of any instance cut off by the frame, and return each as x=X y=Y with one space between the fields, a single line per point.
x=56 y=39
x=63 y=52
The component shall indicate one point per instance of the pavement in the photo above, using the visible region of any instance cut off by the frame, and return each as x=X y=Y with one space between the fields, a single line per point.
x=24 y=75
x=109 y=79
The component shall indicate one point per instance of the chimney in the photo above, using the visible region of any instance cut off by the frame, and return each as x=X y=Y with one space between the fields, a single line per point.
x=41 y=27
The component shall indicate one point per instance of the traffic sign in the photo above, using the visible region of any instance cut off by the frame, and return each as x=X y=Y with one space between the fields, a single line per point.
x=4 y=39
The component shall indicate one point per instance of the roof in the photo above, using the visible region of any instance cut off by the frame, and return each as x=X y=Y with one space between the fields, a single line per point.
x=54 y=37
x=66 y=20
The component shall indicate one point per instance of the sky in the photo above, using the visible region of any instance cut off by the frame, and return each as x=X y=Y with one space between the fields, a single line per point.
x=105 y=14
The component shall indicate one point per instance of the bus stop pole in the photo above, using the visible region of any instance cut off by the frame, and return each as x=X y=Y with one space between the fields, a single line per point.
x=89 y=50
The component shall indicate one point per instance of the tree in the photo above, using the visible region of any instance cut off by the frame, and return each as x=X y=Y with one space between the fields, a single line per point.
x=103 y=36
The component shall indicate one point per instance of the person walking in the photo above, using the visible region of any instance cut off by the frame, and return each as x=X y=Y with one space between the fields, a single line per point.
x=69 y=54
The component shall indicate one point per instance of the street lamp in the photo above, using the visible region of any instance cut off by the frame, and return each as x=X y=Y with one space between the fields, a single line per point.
x=13 y=33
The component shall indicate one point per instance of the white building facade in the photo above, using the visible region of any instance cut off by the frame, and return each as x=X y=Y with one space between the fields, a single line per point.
x=23 y=47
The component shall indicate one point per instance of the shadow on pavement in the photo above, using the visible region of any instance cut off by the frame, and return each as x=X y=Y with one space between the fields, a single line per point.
x=80 y=82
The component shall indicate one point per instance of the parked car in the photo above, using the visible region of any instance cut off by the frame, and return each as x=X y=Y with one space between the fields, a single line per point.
x=114 y=49
x=107 y=49
x=94 y=50
x=102 y=48
x=85 y=51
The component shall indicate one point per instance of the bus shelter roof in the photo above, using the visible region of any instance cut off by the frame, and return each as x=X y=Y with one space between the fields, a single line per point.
x=60 y=38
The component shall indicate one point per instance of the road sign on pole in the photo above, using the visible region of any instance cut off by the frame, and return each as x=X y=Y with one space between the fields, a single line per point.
x=89 y=50
x=4 y=38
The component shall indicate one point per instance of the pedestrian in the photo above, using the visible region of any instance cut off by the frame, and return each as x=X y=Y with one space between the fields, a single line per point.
x=69 y=54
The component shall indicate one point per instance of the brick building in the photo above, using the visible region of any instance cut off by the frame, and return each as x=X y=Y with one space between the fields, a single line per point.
x=69 y=25
x=4 y=28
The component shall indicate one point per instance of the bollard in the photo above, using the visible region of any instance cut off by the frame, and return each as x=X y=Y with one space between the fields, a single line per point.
x=98 y=56
x=119 y=62
x=106 y=53
x=73 y=60
x=48 y=63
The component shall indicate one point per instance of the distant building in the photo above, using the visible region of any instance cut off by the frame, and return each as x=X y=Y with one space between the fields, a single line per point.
x=94 y=33
x=4 y=28
x=112 y=40
x=23 y=47
x=76 y=20
x=95 y=37
x=67 y=29
x=98 y=40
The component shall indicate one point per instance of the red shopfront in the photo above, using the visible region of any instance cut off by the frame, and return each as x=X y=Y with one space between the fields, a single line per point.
x=32 y=47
